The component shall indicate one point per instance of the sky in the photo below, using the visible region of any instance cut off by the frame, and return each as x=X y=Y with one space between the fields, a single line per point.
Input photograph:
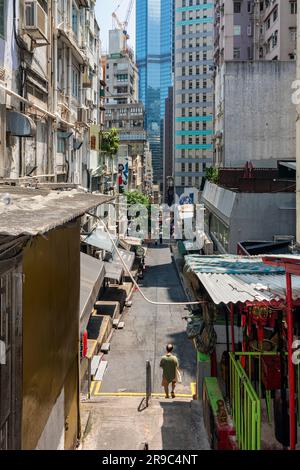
x=104 y=10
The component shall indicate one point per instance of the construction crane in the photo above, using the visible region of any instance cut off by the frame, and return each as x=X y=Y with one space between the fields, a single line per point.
x=123 y=26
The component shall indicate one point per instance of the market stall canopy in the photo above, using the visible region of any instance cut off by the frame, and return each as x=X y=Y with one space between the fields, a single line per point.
x=127 y=256
x=113 y=271
x=115 y=268
x=100 y=239
x=236 y=279
x=92 y=272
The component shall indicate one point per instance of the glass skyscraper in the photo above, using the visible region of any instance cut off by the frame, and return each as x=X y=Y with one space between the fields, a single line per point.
x=154 y=45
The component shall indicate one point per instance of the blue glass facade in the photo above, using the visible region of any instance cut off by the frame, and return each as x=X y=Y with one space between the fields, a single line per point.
x=154 y=34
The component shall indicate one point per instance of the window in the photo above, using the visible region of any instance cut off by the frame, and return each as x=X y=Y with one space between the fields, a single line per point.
x=237 y=7
x=61 y=144
x=293 y=7
x=75 y=20
x=293 y=34
x=237 y=30
x=2 y=19
x=236 y=53
x=75 y=83
x=219 y=230
x=275 y=39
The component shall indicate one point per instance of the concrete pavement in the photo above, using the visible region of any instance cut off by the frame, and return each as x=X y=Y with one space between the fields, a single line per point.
x=117 y=423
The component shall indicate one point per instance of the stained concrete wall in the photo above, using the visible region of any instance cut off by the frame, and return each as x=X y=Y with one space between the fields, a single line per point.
x=260 y=117
x=251 y=216
x=51 y=267
x=261 y=216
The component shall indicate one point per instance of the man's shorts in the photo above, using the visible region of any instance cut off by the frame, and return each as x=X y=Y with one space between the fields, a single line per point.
x=165 y=382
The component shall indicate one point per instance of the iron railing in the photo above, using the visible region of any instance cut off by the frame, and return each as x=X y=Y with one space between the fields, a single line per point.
x=245 y=407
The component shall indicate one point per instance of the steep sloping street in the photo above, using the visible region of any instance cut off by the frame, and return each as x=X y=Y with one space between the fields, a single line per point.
x=118 y=418
x=148 y=328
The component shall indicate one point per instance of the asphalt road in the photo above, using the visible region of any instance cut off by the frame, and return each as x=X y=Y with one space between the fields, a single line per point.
x=148 y=328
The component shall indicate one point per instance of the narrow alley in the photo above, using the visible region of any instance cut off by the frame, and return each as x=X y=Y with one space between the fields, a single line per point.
x=117 y=418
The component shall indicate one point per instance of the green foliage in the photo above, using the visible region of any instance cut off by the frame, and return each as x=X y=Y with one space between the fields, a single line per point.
x=135 y=197
x=110 y=142
x=212 y=174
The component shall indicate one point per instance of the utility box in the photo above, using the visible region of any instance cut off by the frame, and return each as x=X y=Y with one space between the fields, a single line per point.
x=203 y=370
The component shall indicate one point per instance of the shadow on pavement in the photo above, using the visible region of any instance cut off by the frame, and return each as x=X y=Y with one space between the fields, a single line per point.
x=176 y=432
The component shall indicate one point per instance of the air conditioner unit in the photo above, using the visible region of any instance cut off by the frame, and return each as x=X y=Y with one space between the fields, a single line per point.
x=35 y=20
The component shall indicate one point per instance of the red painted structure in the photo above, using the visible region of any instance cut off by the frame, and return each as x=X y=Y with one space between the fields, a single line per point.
x=291 y=266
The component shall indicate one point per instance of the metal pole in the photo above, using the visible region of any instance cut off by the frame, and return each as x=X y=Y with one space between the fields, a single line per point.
x=289 y=311
x=148 y=383
x=89 y=377
x=232 y=327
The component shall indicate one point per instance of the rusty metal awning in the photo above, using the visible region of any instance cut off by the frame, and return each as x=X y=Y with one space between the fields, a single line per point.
x=28 y=211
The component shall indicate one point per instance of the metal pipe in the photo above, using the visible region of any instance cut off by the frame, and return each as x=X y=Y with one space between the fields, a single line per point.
x=33 y=105
x=289 y=311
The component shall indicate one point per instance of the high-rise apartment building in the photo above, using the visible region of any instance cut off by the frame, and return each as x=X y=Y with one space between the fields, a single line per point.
x=124 y=111
x=276 y=29
x=168 y=140
x=234 y=37
x=234 y=30
x=121 y=71
x=246 y=31
x=193 y=92
x=154 y=45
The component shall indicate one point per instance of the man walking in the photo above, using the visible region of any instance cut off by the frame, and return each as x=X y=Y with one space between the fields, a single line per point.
x=169 y=365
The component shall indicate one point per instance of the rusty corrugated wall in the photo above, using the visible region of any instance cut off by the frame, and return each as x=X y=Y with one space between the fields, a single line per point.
x=50 y=335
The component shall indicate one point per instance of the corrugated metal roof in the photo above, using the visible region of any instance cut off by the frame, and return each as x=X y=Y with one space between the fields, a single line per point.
x=32 y=212
x=229 y=264
x=224 y=285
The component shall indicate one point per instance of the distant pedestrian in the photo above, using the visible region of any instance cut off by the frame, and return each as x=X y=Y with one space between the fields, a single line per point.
x=169 y=365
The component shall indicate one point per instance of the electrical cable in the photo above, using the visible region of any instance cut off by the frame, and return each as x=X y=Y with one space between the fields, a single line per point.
x=132 y=278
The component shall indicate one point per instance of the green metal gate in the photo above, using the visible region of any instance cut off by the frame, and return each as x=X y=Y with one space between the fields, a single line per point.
x=245 y=407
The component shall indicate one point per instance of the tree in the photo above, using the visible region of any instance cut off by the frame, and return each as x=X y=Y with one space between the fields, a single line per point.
x=212 y=174
x=110 y=142
x=135 y=197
